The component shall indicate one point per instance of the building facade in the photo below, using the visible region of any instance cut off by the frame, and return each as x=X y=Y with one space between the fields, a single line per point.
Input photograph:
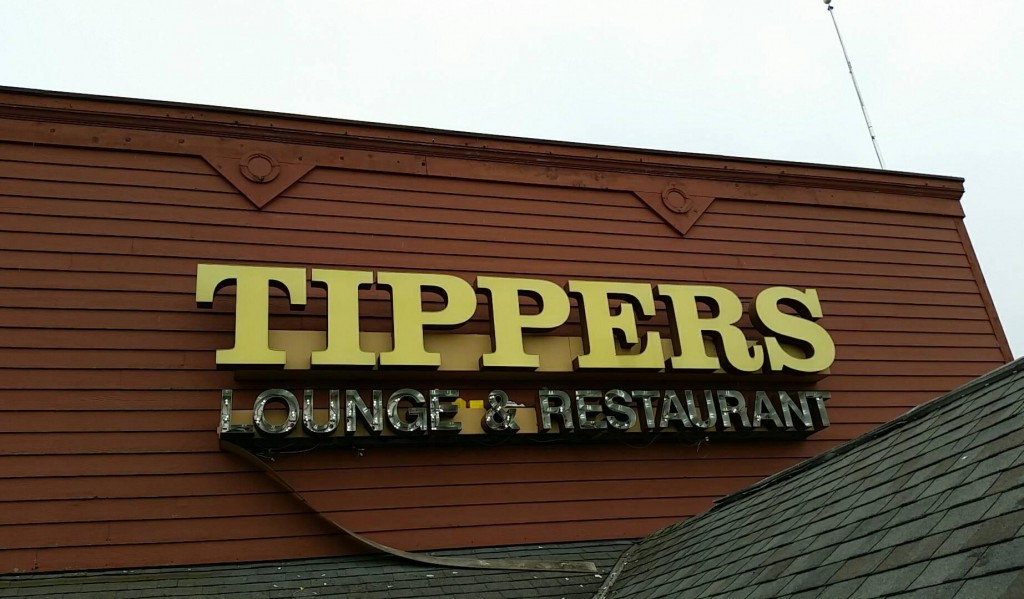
x=128 y=228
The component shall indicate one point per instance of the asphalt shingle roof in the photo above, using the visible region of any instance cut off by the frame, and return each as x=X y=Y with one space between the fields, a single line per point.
x=928 y=505
x=376 y=576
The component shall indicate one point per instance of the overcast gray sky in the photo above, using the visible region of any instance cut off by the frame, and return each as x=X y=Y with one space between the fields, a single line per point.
x=943 y=80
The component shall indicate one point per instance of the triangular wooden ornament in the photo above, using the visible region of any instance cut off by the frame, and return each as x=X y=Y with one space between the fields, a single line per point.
x=258 y=176
x=679 y=209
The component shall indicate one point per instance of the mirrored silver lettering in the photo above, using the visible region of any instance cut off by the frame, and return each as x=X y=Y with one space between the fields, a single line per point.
x=765 y=412
x=695 y=415
x=442 y=410
x=618 y=411
x=647 y=406
x=818 y=397
x=672 y=412
x=356 y=409
x=584 y=410
x=309 y=423
x=499 y=416
x=552 y=402
x=259 y=416
x=732 y=406
x=790 y=408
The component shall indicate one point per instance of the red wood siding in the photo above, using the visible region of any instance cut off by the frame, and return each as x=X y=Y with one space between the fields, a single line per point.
x=110 y=392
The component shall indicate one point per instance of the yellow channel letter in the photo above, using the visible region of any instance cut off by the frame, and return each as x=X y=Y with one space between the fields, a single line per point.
x=508 y=322
x=799 y=330
x=690 y=329
x=342 y=318
x=601 y=327
x=252 y=306
x=410 y=319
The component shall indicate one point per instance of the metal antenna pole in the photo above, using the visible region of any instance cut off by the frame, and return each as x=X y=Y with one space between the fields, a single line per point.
x=856 y=88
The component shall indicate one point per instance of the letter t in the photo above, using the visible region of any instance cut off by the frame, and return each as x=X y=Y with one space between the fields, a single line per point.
x=252 y=306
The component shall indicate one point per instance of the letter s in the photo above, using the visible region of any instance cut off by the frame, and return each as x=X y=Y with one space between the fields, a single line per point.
x=801 y=330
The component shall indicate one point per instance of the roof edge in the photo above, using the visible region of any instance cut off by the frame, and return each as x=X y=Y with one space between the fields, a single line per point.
x=948 y=186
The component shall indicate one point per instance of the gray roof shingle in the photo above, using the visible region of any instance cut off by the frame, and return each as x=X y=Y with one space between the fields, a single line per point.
x=928 y=505
x=358 y=577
